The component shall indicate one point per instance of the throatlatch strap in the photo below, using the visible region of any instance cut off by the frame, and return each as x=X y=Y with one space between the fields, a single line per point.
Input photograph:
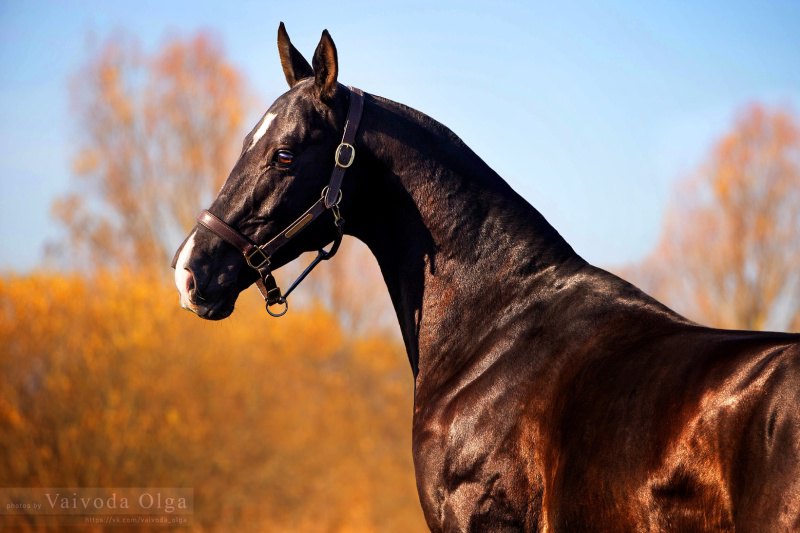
x=346 y=152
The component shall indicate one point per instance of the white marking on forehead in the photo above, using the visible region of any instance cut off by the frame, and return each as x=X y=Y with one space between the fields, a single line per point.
x=262 y=129
x=181 y=274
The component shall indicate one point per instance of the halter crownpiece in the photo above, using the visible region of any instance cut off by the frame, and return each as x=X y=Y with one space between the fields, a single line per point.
x=259 y=257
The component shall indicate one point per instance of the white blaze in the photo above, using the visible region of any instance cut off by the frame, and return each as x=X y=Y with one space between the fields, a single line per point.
x=181 y=274
x=262 y=129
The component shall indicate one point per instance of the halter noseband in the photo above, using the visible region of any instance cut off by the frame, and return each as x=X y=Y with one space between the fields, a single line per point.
x=259 y=257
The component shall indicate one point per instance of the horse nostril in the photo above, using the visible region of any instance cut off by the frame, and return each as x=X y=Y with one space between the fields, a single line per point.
x=190 y=286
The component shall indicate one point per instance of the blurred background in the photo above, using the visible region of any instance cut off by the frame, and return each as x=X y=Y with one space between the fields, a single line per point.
x=662 y=141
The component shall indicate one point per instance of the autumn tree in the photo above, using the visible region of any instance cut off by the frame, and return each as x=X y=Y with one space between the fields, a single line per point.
x=730 y=251
x=157 y=134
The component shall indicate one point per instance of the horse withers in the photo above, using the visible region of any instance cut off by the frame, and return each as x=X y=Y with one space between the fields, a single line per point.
x=578 y=402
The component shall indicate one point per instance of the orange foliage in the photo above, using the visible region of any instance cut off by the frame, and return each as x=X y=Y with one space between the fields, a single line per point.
x=277 y=424
x=730 y=251
x=158 y=135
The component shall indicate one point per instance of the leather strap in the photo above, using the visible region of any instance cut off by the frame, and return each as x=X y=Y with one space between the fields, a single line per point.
x=215 y=224
x=311 y=214
x=248 y=247
x=346 y=151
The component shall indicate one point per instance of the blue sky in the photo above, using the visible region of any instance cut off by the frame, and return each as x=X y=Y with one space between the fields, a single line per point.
x=590 y=110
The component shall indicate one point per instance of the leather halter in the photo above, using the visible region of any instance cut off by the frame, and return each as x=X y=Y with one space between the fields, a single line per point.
x=259 y=257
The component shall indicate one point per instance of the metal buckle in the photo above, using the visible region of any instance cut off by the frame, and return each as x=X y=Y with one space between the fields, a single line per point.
x=249 y=257
x=339 y=153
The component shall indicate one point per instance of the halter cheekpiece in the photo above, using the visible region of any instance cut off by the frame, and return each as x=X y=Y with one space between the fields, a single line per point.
x=259 y=257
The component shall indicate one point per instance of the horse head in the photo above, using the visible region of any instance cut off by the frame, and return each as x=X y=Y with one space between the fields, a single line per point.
x=285 y=166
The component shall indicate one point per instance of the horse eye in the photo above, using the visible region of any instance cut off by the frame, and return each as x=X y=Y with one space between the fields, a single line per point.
x=283 y=158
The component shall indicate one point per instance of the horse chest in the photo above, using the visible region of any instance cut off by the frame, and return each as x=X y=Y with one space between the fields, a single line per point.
x=472 y=472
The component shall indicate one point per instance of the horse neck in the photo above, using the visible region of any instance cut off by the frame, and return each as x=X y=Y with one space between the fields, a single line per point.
x=458 y=248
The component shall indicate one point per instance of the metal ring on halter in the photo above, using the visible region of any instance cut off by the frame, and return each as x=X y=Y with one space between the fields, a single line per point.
x=338 y=196
x=282 y=312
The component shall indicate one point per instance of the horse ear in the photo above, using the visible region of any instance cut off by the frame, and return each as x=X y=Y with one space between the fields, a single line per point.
x=326 y=66
x=295 y=66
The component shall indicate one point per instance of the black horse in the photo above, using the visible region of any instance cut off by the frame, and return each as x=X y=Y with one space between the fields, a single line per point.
x=550 y=394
